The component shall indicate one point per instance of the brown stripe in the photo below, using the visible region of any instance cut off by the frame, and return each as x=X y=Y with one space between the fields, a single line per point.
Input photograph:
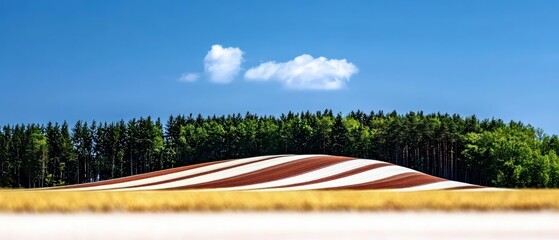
x=280 y=171
x=143 y=176
x=403 y=180
x=198 y=174
x=339 y=175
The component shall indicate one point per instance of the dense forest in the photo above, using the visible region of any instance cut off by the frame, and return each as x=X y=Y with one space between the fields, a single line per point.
x=488 y=152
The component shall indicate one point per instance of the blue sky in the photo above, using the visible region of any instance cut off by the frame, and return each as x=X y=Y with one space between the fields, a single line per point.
x=112 y=60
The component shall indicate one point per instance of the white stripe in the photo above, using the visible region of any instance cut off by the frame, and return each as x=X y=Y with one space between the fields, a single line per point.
x=171 y=176
x=227 y=173
x=363 y=177
x=309 y=176
x=434 y=186
x=482 y=189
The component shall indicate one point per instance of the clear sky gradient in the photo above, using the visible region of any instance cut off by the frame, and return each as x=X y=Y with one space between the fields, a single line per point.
x=112 y=60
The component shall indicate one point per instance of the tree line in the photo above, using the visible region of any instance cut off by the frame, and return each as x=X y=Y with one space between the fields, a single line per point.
x=488 y=152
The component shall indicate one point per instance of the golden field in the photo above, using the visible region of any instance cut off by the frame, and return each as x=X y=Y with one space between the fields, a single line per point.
x=160 y=201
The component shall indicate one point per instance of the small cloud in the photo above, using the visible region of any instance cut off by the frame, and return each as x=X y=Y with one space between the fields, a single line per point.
x=189 y=77
x=306 y=72
x=223 y=64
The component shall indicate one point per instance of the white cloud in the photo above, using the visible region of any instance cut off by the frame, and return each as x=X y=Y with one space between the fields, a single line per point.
x=306 y=72
x=223 y=64
x=189 y=77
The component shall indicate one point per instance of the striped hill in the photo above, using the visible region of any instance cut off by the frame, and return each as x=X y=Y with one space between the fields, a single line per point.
x=281 y=173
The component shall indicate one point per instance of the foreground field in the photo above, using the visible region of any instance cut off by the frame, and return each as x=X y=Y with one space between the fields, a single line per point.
x=282 y=225
x=179 y=201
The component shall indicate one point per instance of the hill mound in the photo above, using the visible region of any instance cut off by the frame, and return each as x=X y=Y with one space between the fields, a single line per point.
x=281 y=173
